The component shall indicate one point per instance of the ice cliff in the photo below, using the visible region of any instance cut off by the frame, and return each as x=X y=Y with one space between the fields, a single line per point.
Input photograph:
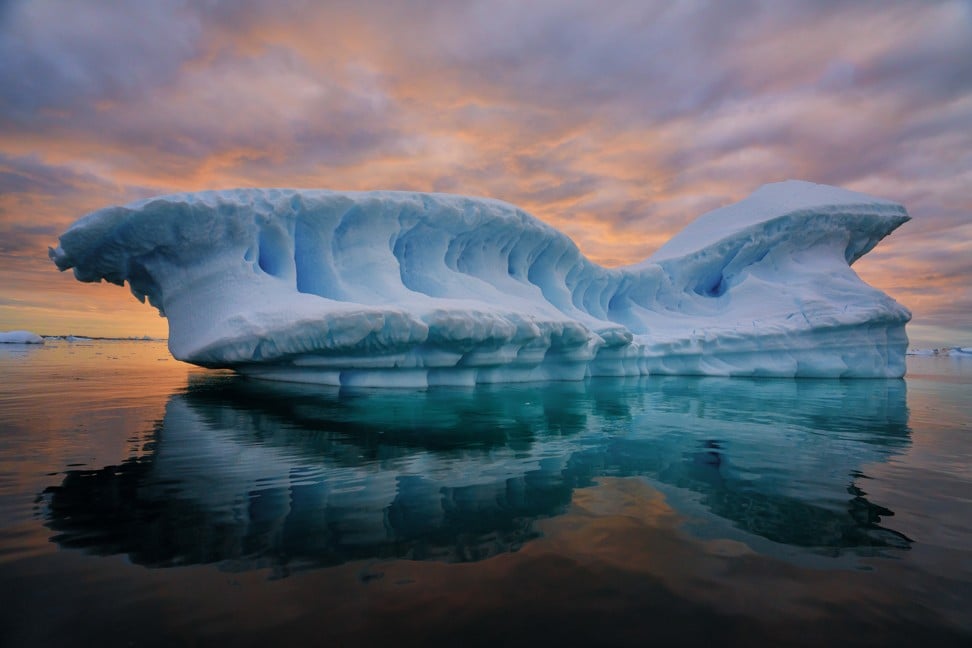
x=413 y=289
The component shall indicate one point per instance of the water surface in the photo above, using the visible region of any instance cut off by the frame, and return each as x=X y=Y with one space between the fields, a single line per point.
x=145 y=502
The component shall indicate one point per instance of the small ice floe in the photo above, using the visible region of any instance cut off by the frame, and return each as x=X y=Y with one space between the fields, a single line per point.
x=20 y=337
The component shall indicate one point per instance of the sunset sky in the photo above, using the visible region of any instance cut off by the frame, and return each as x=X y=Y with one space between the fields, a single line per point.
x=617 y=122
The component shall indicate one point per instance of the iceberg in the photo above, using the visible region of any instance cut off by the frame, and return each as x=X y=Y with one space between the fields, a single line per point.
x=387 y=288
x=20 y=337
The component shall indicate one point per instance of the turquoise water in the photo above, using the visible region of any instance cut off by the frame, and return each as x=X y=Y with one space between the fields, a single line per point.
x=144 y=502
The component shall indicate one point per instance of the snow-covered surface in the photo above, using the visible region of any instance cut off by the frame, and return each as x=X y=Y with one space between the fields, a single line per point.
x=414 y=289
x=20 y=337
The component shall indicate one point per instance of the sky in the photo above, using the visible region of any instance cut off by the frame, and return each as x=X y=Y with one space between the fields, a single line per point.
x=617 y=121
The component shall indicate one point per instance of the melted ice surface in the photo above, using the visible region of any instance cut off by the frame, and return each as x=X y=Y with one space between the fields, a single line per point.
x=414 y=289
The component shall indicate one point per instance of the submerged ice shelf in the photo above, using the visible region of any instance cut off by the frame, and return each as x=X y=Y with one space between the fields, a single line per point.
x=413 y=289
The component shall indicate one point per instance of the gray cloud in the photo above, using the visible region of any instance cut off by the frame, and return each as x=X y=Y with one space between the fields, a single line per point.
x=192 y=80
x=32 y=239
x=30 y=175
x=59 y=58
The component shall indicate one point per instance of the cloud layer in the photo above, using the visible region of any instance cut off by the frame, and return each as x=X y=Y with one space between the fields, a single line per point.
x=617 y=122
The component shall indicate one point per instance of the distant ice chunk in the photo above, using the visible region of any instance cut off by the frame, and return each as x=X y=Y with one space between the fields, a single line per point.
x=957 y=352
x=20 y=337
x=413 y=289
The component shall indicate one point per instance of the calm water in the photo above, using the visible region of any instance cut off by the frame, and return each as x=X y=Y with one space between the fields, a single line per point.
x=144 y=502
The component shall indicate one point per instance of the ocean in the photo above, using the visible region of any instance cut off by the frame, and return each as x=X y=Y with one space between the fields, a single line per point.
x=147 y=502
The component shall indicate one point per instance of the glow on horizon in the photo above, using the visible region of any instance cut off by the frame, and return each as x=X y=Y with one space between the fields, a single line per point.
x=617 y=124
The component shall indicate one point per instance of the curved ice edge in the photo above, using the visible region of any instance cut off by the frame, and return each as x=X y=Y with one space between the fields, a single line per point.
x=415 y=290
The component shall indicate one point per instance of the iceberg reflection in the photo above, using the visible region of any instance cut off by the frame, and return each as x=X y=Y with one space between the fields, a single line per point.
x=251 y=474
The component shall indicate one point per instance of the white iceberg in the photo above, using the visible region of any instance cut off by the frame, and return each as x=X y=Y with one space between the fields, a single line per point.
x=20 y=337
x=414 y=289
